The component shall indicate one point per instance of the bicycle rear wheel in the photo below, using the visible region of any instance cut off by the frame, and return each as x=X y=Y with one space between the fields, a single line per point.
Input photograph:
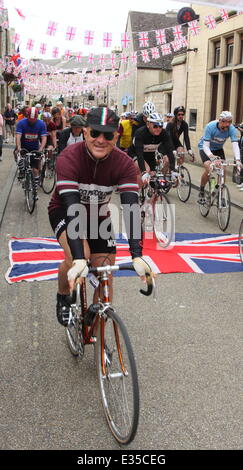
x=184 y=184
x=48 y=176
x=223 y=208
x=30 y=192
x=163 y=220
x=241 y=241
x=205 y=208
x=117 y=376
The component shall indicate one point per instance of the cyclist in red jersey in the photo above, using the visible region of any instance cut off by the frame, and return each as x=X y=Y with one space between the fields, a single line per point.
x=78 y=211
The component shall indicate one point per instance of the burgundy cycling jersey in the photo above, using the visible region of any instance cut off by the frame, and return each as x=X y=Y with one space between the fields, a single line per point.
x=78 y=171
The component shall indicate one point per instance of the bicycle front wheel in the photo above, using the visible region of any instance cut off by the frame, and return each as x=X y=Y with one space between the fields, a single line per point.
x=117 y=376
x=223 y=208
x=241 y=241
x=48 y=176
x=184 y=184
x=163 y=220
x=29 y=192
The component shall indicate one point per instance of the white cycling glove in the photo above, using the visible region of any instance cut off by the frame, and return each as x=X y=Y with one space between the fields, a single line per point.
x=79 y=267
x=141 y=267
x=145 y=177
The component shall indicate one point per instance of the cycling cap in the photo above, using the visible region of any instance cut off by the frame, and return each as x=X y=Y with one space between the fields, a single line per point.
x=148 y=108
x=77 y=121
x=47 y=115
x=32 y=114
x=156 y=118
x=178 y=109
x=102 y=119
x=226 y=115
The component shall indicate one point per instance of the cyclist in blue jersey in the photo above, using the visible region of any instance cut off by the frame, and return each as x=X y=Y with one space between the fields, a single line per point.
x=211 y=145
x=31 y=134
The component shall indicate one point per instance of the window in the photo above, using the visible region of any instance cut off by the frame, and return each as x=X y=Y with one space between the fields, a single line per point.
x=230 y=50
x=193 y=119
x=217 y=55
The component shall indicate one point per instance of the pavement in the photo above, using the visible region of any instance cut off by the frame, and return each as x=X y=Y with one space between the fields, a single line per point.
x=8 y=172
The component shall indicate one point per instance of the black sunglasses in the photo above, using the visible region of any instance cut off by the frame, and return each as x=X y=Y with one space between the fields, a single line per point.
x=107 y=135
x=155 y=126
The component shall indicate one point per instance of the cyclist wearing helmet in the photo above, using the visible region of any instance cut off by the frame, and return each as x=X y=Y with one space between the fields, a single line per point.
x=177 y=127
x=147 y=140
x=141 y=119
x=211 y=144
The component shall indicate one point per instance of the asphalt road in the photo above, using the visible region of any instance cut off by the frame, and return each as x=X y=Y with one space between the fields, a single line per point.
x=187 y=347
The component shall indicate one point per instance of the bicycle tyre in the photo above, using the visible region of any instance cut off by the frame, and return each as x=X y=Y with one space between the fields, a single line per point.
x=29 y=192
x=223 y=212
x=74 y=332
x=184 y=184
x=163 y=220
x=48 y=178
x=241 y=241
x=205 y=208
x=119 y=385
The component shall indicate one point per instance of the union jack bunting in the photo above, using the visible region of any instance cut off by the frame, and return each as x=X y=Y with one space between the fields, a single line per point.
x=113 y=61
x=193 y=28
x=43 y=48
x=78 y=56
x=166 y=49
x=39 y=258
x=51 y=28
x=125 y=40
x=123 y=58
x=16 y=38
x=177 y=31
x=143 y=39
x=134 y=57
x=91 y=58
x=160 y=36
x=107 y=39
x=67 y=54
x=210 y=22
x=145 y=55
x=55 y=52
x=70 y=33
x=177 y=45
x=224 y=14
x=89 y=38
x=30 y=44
x=155 y=52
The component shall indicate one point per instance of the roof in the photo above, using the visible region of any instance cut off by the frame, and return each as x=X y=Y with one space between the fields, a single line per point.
x=142 y=21
x=72 y=65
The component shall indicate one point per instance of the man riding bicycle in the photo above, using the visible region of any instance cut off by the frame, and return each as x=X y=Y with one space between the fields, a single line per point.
x=147 y=140
x=211 y=146
x=176 y=127
x=86 y=174
x=31 y=134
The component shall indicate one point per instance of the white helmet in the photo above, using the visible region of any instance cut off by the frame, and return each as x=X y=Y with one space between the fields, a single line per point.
x=156 y=118
x=226 y=116
x=38 y=105
x=148 y=108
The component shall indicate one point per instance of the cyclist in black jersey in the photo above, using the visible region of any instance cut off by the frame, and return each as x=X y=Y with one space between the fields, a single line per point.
x=176 y=128
x=146 y=141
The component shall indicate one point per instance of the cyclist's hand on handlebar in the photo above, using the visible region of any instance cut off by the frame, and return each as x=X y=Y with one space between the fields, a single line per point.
x=141 y=267
x=239 y=166
x=145 y=178
x=79 y=268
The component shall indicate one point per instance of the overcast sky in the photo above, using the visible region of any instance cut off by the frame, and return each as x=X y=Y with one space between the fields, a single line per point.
x=95 y=15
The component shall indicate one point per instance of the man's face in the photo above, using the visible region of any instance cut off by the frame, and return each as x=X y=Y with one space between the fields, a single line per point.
x=224 y=125
x=47 y=109
x=99 y=146
x=154 y=128
x=76 y=131
x=169 y=118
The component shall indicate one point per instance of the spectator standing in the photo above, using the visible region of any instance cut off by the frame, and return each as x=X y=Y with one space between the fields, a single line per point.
x=9 y=118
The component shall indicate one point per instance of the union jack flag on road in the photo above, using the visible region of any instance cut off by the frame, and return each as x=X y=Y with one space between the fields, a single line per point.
x=39 y=258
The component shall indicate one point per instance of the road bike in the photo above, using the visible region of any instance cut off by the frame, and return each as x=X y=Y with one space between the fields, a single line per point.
x=48 y=171
x=156 y=211
x=180 y=178
x=217 y=194
x=100 y=325
x=241 y=241
x=26 y=176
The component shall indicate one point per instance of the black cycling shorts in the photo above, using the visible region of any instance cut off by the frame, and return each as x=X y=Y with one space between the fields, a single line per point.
x=218 y=153
x=99 y=244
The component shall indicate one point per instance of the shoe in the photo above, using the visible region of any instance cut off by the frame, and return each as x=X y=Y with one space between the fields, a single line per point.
x=239 y=185
x=201 y=198
x=21 y=175
x=241 y=189
x=63 y=309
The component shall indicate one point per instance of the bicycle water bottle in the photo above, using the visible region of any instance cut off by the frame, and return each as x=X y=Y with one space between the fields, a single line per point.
x=213 y=184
